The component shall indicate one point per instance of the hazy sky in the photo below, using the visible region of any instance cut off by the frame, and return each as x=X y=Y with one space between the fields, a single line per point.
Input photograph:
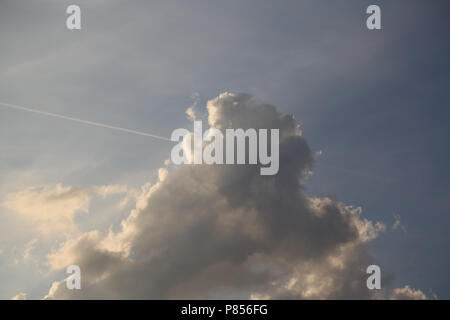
x=375 y=103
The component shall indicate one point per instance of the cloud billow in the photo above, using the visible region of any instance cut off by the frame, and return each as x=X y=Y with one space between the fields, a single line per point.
x=225 y=231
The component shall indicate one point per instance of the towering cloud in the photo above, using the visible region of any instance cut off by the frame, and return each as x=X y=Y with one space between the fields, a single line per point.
x=225 y=231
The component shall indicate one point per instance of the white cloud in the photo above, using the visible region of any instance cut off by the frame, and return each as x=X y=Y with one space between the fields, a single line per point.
x=398 y=224
x=108 y=190
x=29 y=246
x=191 y=110
x=407 y=293
x=20 y=296
x=51 y=209
x=225 y=231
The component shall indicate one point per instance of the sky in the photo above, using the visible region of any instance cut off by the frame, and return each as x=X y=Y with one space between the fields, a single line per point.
x=373 y=113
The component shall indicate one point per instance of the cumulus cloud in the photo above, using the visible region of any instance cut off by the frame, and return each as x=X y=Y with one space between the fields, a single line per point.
x=20 y=296
x=225 y=231
x=407 y=293
x=52 y=208
x=397 y=225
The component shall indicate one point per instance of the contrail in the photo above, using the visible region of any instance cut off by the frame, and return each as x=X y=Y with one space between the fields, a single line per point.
x=97 y=124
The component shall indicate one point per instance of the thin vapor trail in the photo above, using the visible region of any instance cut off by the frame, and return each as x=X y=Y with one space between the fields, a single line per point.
x=97 y=124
